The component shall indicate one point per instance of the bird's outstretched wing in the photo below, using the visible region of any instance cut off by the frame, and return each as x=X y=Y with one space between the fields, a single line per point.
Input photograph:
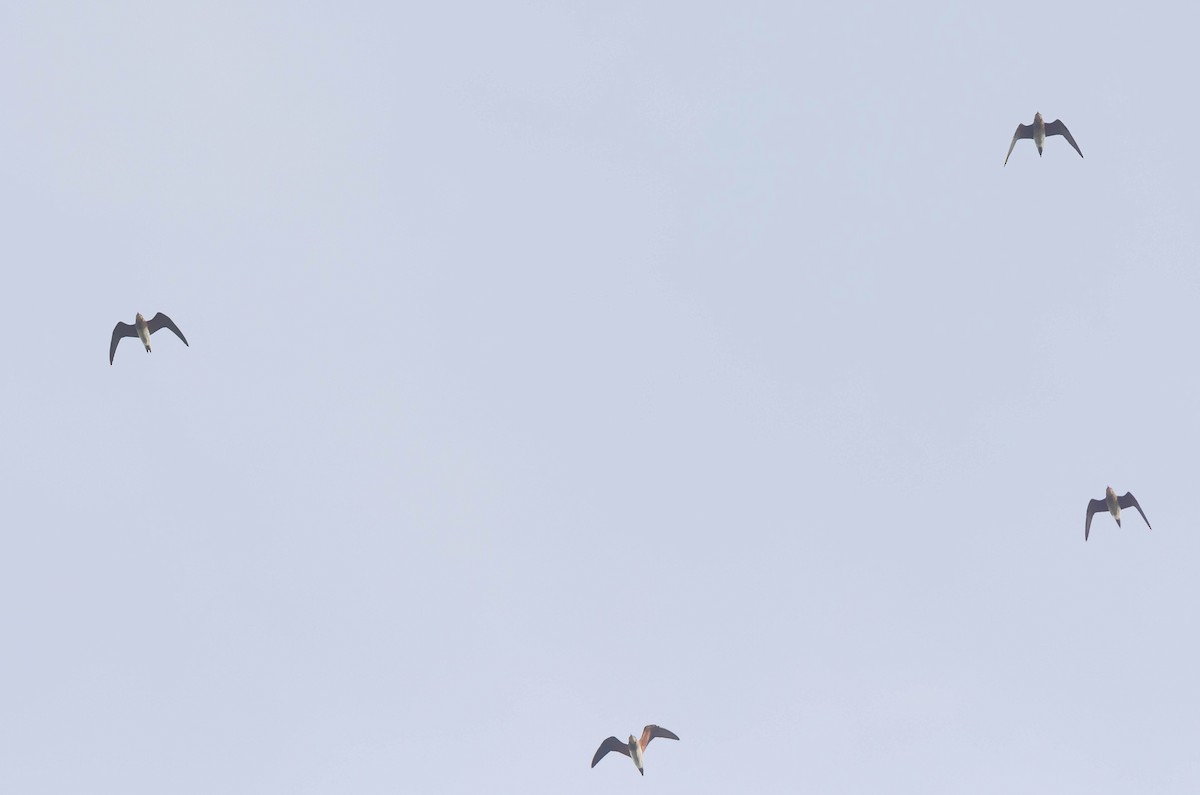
x=611 y=744
x=652 y=731
x=1023 y=131
x=119 y=331
x=1056 y=127
x=1094 y=506
x=1127 y=499
x=162 y=321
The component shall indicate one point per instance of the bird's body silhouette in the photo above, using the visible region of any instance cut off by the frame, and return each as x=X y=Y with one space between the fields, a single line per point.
x=1039 y=131
x=1113 y=504
x=635 y=748
x=142 y=329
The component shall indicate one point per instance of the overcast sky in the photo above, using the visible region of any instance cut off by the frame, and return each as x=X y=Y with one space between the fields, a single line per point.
x=556 y=369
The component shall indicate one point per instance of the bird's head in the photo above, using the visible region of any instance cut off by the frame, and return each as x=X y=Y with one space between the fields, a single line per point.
x=1037 y=117
x=1109 y=491
x=140 y=319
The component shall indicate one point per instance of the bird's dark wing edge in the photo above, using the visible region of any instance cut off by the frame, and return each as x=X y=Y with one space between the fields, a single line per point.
x=1127 y=499
x=120 y=331
x=611 y=744
x=1023 y=131
x=1056 y=127
x=1093 y=507
x=652 y=731
x=162 y=321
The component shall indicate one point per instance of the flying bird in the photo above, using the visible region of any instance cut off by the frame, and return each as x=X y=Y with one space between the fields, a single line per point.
x=142 y=329
x=635 y=747
x=1038 y=132
x=1113 y=504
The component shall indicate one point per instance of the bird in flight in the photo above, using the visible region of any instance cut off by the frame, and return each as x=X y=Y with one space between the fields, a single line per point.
x=635 y=747
x=1113 y=504
x=142 y=329
x=1038 y=132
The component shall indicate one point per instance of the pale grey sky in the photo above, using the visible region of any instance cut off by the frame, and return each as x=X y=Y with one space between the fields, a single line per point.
x=557 y=369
